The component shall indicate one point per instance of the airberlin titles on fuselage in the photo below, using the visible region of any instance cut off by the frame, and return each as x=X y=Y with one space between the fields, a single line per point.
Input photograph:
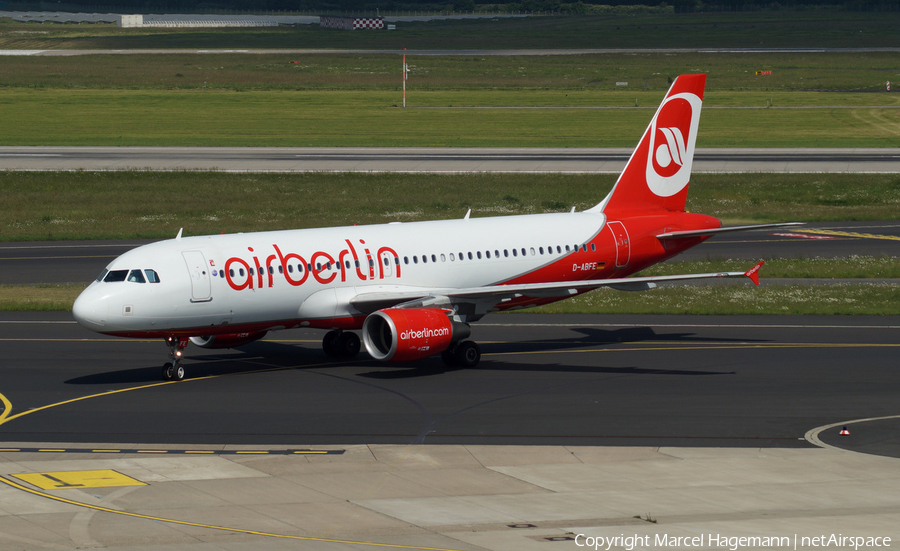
x=254 y=273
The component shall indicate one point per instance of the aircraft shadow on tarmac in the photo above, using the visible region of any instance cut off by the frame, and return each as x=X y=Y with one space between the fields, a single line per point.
x=593 y=336
x=589 y=336
x=265 y=356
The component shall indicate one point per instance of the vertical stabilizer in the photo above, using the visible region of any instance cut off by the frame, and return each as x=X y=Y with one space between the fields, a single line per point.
x=657 y=175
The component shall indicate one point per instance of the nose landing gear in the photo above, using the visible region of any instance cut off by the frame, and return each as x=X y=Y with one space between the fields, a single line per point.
x=174 y=371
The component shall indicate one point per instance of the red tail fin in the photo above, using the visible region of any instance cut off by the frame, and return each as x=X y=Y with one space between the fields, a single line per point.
x=657 y=174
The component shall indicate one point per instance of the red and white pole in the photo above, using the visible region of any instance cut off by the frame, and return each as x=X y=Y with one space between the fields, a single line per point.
x=405 y=71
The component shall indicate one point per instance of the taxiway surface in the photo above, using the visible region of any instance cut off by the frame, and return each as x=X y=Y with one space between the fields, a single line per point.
x=745 y=381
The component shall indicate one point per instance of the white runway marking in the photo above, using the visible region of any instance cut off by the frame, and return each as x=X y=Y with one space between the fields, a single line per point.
x=812 y=436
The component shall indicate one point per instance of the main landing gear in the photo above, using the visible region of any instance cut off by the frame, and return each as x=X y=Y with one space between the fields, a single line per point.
x=174 y=371
x=462 y=354
x=340 y=344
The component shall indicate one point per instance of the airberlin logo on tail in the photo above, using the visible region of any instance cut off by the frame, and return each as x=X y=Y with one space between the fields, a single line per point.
x=670 y=156
x=673 y=134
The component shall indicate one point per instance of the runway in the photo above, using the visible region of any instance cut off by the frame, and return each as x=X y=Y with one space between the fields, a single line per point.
x=28 y=263
x=435 y=160
x=745 y=381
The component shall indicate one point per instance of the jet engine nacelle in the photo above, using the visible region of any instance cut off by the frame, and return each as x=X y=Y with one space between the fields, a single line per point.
x=402 y=335
x=227 y=341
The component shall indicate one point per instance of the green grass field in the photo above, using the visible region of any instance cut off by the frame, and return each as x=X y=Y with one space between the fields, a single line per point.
x=859 y=267
x=844 y=299
x=644 y=71
x=106 y=205
x=351 y=100
x=360 y=118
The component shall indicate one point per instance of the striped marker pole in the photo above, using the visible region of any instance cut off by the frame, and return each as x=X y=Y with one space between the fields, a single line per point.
x=405 y=71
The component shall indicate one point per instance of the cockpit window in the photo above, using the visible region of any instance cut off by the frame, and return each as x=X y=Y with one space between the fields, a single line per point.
x=116 y=275
x=132 y=276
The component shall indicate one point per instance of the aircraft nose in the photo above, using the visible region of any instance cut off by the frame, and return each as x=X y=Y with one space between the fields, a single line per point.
x=90 y=310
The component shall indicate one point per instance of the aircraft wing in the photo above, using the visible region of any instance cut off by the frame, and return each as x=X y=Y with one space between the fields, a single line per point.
x=480 y=300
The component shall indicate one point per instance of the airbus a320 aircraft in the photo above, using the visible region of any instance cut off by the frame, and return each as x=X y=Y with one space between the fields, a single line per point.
x=412 y=288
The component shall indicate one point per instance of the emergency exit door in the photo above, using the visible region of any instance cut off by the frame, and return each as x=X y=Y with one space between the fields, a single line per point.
x=623 y=245
x=199 y=272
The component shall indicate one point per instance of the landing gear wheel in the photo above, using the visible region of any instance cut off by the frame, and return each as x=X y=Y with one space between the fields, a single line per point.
x=348 y=345
x=178 y=373
x=330 y=343
x=173 y=372
x=467 y=353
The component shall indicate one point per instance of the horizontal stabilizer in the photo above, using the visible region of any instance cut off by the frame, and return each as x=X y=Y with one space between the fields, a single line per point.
x=713 y=231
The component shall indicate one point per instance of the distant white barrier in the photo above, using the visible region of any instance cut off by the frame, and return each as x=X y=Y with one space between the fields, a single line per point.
x=131 y=21
x=194 y=23
x=161 y=20
x=128 y=21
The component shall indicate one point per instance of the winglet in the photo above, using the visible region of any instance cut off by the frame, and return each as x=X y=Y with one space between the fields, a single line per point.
x=179 y=233
x=753 y=273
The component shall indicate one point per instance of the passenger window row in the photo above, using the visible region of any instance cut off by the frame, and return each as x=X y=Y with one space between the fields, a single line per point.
x=478 y=255
x=300 y=267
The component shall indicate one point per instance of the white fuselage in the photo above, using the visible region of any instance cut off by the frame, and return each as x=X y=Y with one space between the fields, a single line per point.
x=271 y=280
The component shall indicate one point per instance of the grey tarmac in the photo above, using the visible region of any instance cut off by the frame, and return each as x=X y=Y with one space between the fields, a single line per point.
x=436 y=160
x=573 y=427
x=736 y=381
